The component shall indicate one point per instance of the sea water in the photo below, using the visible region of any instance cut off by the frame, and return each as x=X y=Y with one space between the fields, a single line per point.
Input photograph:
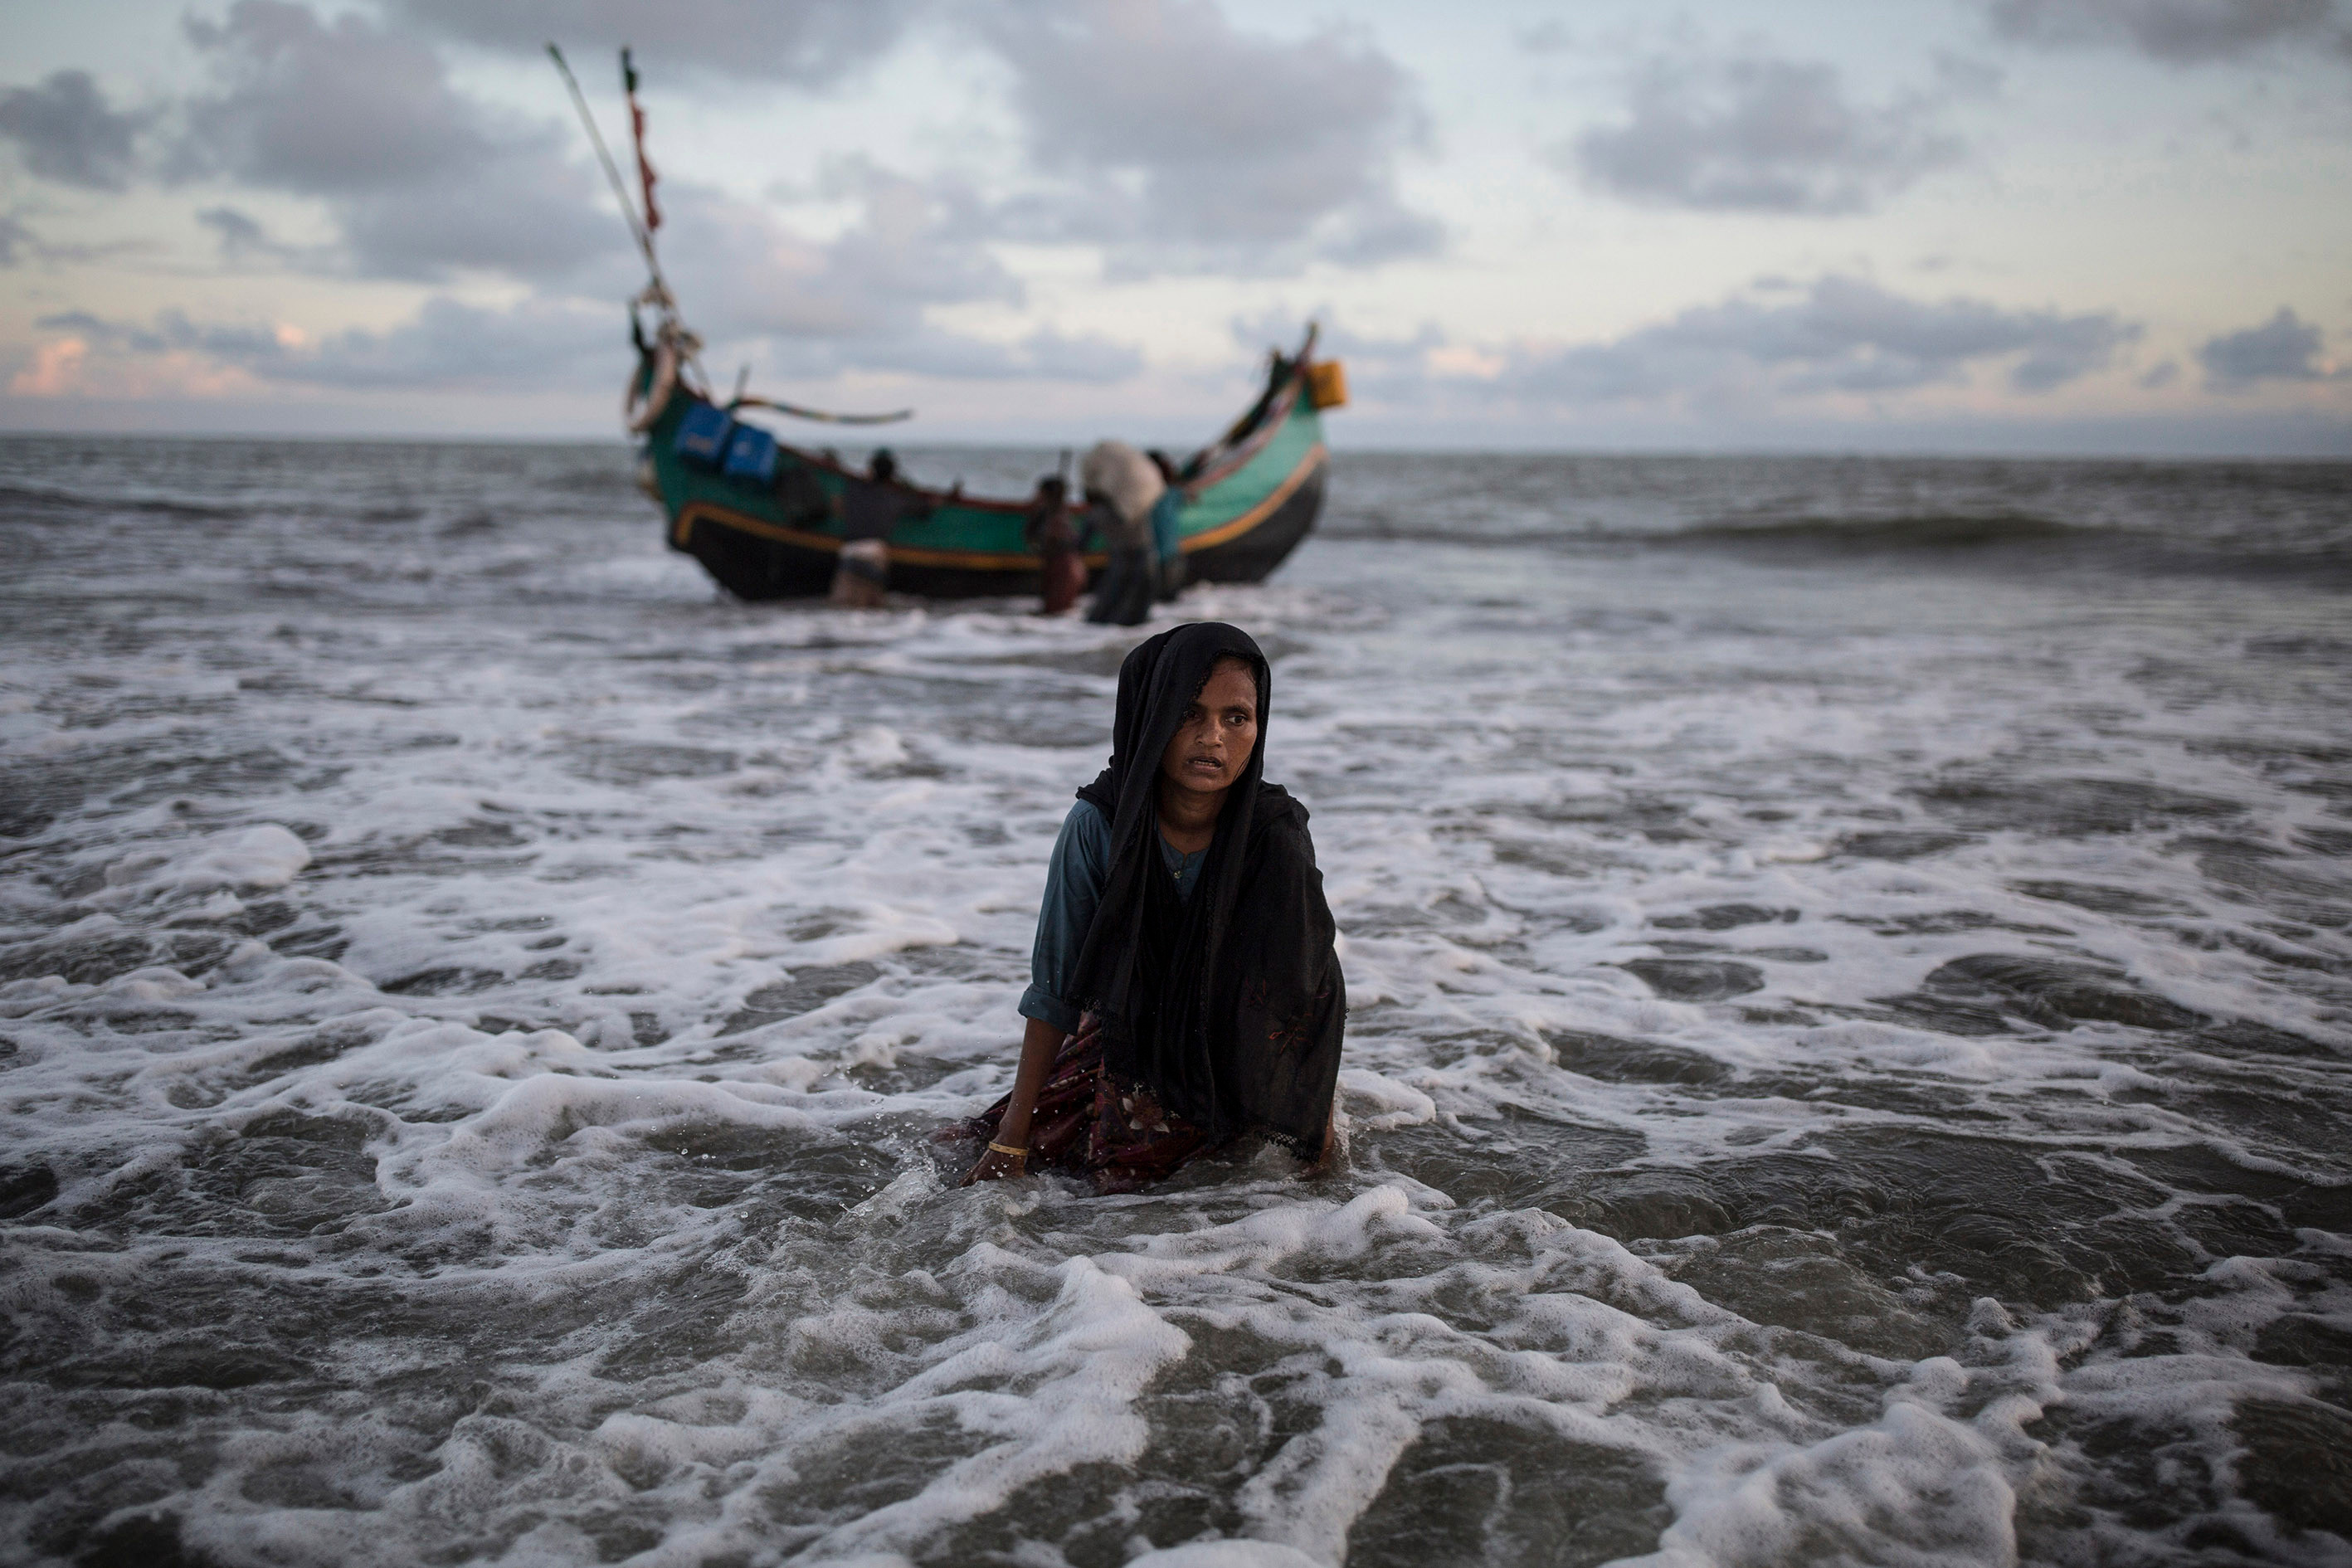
x=1849 y=1058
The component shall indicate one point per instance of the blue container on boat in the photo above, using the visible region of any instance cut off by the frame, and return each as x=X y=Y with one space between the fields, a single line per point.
x=702 y=435
x=751 y=455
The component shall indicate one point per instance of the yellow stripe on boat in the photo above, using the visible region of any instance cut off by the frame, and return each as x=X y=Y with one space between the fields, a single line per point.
x=1265 y=509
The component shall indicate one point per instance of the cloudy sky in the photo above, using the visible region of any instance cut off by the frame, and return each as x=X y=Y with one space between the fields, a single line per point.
x=2098 y=226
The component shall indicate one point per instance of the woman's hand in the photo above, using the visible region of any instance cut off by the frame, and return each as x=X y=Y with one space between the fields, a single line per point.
x=1324 y=1162
x=1039 y=1043
x=994 y=1166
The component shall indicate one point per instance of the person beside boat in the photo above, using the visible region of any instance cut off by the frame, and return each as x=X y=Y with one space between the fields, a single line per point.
x=1051 y=533
x=870 y=509
x=1121 y=488
x=1167 y=540
x=1185 y=987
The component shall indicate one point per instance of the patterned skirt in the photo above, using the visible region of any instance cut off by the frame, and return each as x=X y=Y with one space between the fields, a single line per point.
x=1087 y=1123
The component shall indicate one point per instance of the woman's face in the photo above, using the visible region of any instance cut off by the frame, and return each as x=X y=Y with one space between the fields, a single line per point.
x=1214 y=743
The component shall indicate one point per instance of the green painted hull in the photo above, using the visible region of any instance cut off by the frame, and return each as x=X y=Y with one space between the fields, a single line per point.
x=1250 y=505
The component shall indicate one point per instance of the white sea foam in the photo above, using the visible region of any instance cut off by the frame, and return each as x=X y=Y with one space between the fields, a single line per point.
x=255 y=858
x=1843 y=1064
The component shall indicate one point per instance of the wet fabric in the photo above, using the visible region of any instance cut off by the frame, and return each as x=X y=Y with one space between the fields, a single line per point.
x=1128 y=586
x=1091 y=1123
x=1165 y=541
x=1229 y=1007
x=1168 y=543
x=1074 y=885
x=861 y=574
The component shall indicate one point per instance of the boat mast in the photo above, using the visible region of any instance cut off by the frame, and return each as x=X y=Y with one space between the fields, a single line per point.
x=641 y=230
x=660 y=290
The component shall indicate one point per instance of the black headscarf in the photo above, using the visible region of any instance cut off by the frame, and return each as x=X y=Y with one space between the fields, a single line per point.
x=1229 y=1007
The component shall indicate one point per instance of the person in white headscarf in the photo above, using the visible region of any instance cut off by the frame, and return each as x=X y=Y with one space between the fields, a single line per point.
x=1123 y=486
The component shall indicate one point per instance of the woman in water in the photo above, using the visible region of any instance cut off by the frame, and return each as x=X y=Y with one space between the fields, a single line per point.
x=1184 y=991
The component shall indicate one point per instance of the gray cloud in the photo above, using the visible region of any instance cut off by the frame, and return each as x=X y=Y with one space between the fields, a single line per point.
x=447 y=345
x=2183 y=32
x=420 y=179
x=1051 y=355
x=1157 y=131
x=1243 y=152
x=64 y=132
x=331 y=110
x=1758 y=134
x=1184 y=144
x=452 y=345
x=915 y=240
x=1043 y=355
x=859 y=301
x=241 y=235
x=245 y=241
x=804 y=42
x=543 y=345
x=240 y=232
x=2284 y=348
x=739 y=271
x=1165 y=134
x=425 y=181
x=20 y=242
x=170 y=331
x=529 y=215
x=1843 y=335
x=1837 y=335
x=1548 y=36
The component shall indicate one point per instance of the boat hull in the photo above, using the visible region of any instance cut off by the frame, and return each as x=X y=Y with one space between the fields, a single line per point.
x=1247 y=509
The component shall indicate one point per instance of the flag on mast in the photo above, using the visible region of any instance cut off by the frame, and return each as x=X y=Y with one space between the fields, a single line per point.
x=637 y=134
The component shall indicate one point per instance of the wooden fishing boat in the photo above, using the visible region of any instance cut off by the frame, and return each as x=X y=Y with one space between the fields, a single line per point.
x=768 y=519
x=775 y=531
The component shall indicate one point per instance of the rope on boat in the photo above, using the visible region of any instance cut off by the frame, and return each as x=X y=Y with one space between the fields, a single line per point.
x=638 y=230
x=819 y=415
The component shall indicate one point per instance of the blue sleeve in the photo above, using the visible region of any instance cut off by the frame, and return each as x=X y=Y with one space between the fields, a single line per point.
x=1074 y=887
x=1163 y=524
